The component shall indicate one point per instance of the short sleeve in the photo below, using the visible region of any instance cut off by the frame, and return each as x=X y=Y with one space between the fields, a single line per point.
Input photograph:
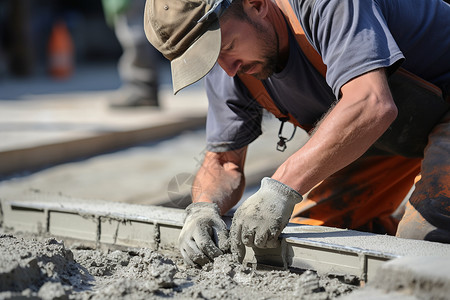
x=234 y=118
x=353 y=38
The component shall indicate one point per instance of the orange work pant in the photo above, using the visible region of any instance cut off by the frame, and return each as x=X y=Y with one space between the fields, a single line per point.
x=427 y=213
x=364 y=195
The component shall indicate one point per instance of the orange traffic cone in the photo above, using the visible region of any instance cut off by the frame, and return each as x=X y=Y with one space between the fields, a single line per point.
x=60 y=52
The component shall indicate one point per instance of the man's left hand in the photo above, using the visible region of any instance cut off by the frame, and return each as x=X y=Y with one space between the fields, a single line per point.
x=262 y=217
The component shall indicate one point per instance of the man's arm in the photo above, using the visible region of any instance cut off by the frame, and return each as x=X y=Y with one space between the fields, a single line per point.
x=221 y=179
x=218 y=186
x=363 y=114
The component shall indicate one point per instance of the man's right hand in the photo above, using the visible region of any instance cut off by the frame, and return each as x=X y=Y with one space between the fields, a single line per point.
x=204 y=235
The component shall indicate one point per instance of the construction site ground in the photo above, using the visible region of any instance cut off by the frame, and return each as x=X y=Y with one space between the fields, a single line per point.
x=93 y=198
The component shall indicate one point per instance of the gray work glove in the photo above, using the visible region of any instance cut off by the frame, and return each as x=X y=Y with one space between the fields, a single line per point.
x=204 y=234
x=262 y=217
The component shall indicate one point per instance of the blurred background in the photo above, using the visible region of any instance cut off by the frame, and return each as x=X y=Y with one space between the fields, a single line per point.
x=26 y=29
x=35 y=34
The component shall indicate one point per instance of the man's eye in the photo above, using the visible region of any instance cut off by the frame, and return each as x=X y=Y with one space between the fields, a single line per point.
x=230 y=47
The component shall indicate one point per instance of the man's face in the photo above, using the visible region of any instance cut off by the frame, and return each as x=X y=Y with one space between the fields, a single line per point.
x=248 y=48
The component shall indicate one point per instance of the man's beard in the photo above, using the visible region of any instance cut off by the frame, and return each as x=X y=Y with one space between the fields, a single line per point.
x=270 y=54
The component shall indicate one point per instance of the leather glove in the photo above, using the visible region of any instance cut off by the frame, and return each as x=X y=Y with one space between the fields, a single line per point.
x=262 y=217
x=204 y=234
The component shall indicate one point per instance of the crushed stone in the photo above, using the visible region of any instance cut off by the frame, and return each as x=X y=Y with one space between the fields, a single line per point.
x=45 y=268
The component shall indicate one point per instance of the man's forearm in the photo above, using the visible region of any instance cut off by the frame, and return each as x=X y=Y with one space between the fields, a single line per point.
x=365 y=111
x=220 y=179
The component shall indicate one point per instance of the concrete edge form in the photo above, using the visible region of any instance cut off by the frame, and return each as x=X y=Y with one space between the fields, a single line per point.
x=323 y=249
x=26 y=159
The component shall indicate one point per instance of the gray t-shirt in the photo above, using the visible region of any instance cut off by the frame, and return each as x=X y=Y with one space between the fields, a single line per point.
x=353 y=37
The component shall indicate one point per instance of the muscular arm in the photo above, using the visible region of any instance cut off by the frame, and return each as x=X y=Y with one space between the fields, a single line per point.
x=221 y=179
x=364 y=112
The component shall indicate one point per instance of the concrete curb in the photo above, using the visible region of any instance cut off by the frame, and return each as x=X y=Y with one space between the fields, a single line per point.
x=326 y=250
x=97 y=222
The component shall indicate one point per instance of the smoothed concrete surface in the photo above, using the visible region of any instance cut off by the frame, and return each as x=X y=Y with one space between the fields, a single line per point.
x=50 y=129
x=353 y=239
x=144 y=173
x=46 y=121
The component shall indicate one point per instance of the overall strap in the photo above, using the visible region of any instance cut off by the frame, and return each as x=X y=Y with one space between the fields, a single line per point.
x=313 y=56
x=255 y=86
x=260 y=94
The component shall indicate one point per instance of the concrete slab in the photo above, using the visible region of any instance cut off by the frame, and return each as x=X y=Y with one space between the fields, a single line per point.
x=424 y=277
x=409 y=277
x=50 y=129
x=46 y=121
x=145 y=174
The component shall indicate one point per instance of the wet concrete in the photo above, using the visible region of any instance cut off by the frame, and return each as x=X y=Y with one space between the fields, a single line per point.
x=47 y=269
x=42 y=267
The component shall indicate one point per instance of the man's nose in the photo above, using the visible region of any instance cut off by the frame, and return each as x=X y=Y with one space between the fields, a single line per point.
x=230 y=66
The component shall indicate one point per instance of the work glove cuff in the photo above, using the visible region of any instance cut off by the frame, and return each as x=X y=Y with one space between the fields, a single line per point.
x=281 y=188
x=202 y=206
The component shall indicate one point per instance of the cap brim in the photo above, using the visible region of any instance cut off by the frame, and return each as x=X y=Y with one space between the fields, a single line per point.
x=197 y=60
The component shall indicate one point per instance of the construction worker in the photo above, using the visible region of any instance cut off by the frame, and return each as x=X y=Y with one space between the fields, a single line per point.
x=372 y=129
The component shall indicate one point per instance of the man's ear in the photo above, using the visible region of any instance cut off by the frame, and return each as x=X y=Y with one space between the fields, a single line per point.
x=256 y=8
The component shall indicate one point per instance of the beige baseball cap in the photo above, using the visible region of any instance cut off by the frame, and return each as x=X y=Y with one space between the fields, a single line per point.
x=187 y=33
